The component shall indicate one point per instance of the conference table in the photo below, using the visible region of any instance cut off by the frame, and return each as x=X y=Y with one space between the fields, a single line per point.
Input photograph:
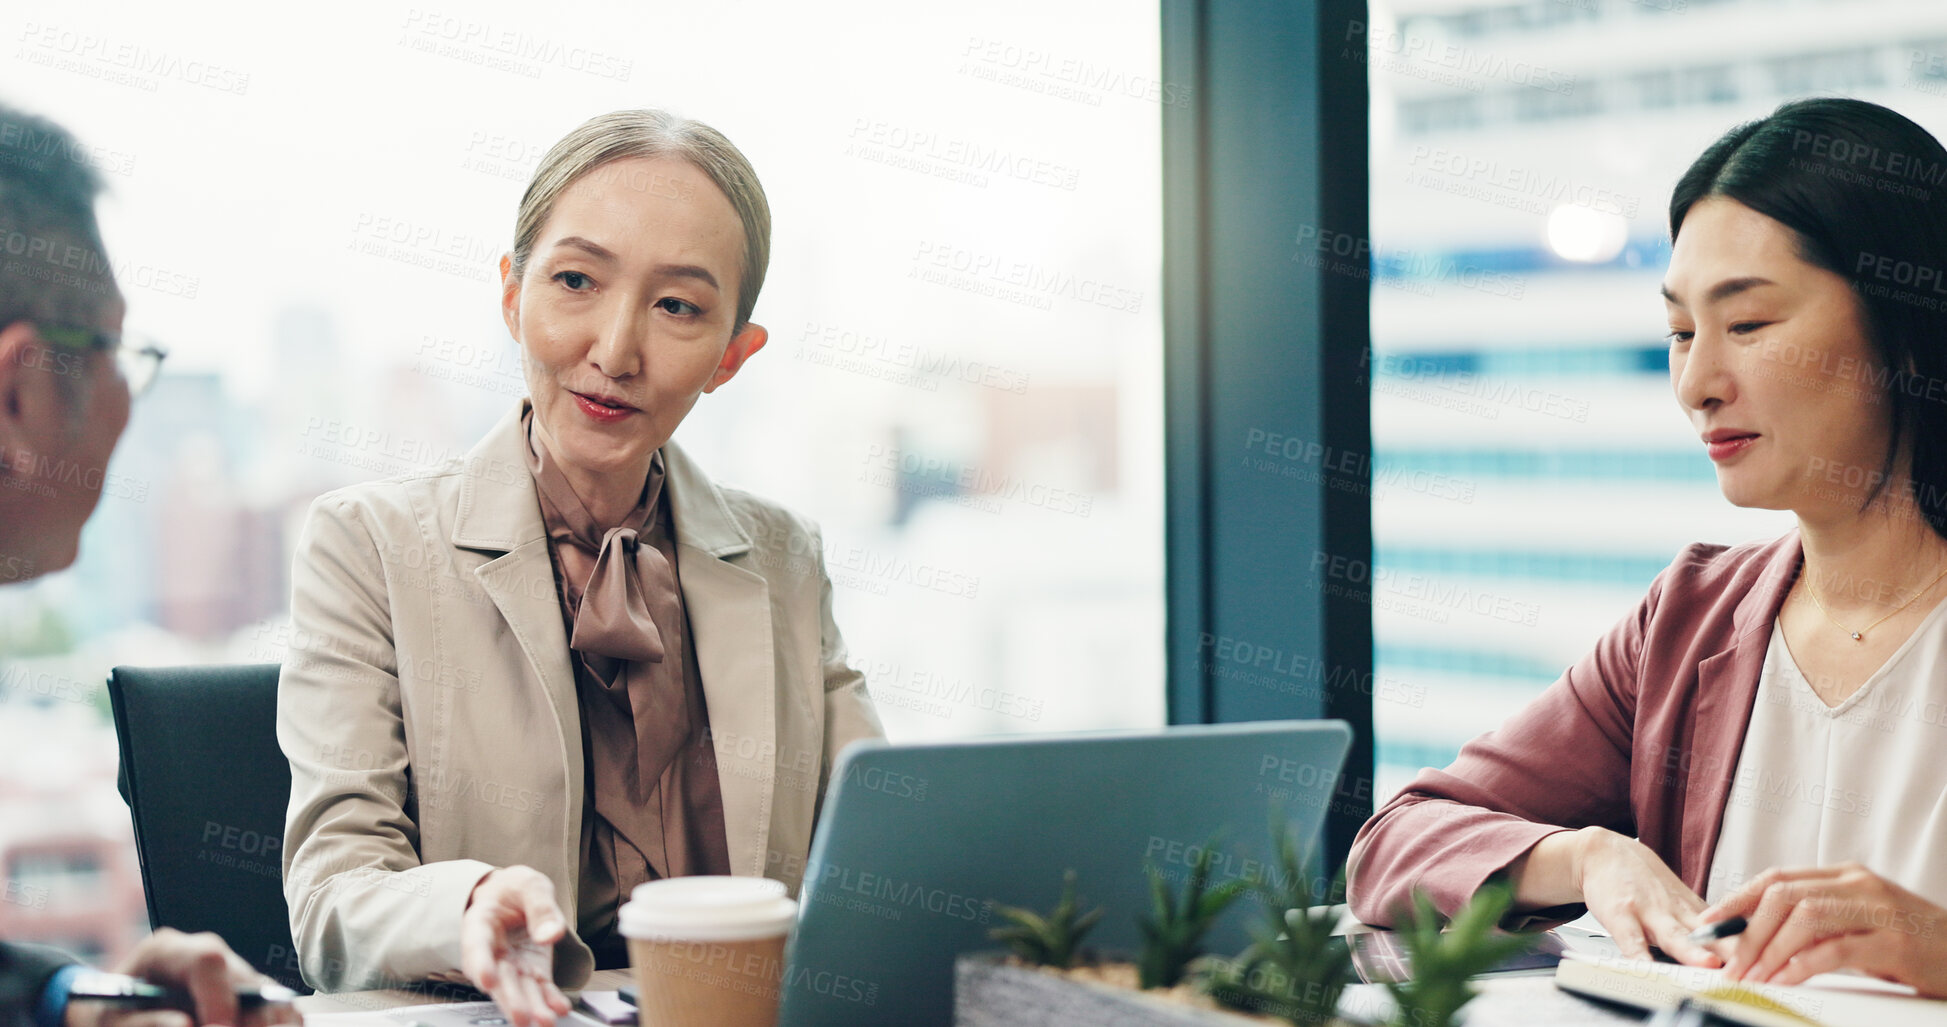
x=1503 y=1002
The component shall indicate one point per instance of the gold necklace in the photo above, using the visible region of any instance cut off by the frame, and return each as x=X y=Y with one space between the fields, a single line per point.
x=1860 y=635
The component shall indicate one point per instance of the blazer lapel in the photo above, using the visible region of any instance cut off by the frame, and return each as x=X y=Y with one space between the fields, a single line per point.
x=500 y=512
x=1727 y=687
x=729 y=609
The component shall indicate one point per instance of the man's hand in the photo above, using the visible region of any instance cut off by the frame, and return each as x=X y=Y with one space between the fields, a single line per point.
x=1638 y=899
x=1809 y=921
x=507 y=937
x=200 y=964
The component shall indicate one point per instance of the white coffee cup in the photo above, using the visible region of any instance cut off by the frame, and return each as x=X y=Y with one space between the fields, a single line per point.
x=707 y=951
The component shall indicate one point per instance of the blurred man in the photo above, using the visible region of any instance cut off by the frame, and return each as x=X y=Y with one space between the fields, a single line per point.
x=65 y=389
x=63 y=398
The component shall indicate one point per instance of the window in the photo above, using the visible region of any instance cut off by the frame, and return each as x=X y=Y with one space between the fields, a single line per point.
x=962 y=384
x=42 y=880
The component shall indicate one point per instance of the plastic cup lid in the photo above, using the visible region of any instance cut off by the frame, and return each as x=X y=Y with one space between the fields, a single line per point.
x=707 y=908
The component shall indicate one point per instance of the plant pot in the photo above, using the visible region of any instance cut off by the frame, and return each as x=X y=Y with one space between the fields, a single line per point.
x=994 y=990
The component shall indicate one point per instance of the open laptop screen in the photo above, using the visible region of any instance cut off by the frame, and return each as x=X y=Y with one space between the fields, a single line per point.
x=918 y=844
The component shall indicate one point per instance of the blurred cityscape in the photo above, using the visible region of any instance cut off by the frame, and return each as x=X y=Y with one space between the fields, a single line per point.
x=980 y=443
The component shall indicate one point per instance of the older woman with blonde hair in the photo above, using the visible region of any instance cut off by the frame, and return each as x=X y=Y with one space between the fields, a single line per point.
x=568 y=663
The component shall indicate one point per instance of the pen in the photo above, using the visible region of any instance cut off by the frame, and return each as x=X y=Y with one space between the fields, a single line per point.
x=1683 y=1014
x=1718 y=931
x=121 y=989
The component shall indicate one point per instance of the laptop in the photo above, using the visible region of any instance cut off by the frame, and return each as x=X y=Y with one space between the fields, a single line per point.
x=918 y=845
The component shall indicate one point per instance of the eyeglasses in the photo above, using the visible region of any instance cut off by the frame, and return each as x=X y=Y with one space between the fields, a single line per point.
x=138 y=360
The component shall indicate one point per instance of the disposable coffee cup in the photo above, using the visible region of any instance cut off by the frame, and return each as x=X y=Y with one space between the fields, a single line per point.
x=707 y=951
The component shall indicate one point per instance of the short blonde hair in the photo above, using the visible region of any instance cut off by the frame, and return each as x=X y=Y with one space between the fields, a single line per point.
x=652 y=133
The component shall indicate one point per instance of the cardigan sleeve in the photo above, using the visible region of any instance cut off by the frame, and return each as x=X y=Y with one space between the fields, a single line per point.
x=1560 y=763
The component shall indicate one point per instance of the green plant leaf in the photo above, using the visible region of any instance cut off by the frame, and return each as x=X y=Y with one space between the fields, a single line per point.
x=1294 y=969
x=1174 y=928
x=1444 y=962
x=1051 y=940
x=1218 y=899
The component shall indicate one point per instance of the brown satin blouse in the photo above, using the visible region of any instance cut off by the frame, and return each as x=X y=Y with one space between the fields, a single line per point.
x=652 y=805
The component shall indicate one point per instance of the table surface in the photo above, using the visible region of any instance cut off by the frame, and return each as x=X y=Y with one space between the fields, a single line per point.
x=1504 y=1002
x=602 y=980
x=373 y=1001
x=1514 y=1000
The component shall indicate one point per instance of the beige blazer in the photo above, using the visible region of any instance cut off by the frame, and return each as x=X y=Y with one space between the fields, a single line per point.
x=429 y=713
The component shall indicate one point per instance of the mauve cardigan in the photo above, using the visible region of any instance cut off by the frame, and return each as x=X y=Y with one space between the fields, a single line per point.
x=1641 y=736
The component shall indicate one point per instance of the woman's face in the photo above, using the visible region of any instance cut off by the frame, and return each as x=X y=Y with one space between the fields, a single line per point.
x=627 y=309
x=1770 y=359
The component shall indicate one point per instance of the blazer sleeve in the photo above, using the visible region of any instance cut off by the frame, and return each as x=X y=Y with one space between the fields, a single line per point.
x=1561 y=763
x=365 y=912
x=849 y=713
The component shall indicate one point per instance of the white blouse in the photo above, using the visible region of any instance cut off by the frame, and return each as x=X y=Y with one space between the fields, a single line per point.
x=1864 y=781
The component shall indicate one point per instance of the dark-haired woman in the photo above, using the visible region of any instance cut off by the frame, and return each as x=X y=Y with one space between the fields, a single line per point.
x=1766 y=733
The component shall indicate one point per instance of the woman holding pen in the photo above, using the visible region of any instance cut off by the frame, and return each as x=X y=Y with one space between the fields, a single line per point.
x=1765 y=735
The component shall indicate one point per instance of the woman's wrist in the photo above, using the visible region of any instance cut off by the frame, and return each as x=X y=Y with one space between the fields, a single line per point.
x=1550 y=874
x=474 y=892
x=1586 y=841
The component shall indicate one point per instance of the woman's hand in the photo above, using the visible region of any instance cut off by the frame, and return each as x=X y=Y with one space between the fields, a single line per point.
x=1809 y=921
x=199 y=964
x=1637 y=897
x=507 y=937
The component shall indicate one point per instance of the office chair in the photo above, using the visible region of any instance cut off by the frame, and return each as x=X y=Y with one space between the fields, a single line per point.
x=207 y=787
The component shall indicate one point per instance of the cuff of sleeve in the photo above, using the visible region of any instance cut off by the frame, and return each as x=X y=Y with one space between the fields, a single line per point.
x=1543 y=919
x=573 y=961
x=53 y=1008
x=452 y=889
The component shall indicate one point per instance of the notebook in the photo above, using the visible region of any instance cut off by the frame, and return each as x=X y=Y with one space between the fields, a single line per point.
x=1827 y=1000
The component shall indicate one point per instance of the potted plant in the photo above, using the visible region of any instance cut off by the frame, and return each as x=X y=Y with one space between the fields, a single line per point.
x=1294 y=971
x=1049 y=979
x=1169 y=981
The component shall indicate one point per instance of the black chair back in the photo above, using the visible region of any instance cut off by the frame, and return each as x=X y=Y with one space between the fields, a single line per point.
x=207 y=787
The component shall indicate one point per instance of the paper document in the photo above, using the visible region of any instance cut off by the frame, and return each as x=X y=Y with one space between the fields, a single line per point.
x=441 y=1014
